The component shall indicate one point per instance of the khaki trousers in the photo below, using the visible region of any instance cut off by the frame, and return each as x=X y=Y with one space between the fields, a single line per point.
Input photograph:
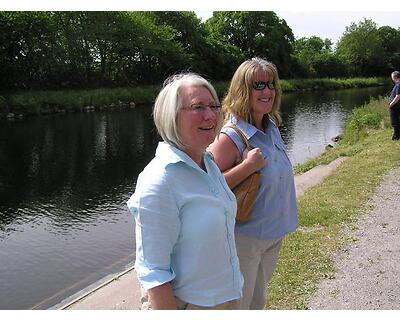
x=230 y=305
x=257 y=259
x=182 y=305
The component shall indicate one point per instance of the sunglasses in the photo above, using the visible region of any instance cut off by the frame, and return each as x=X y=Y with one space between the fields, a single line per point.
x=261 y=85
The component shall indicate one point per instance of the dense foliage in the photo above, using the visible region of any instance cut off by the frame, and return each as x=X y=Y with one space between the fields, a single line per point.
x=75 y=50
x=255 y=34
x=369 y=50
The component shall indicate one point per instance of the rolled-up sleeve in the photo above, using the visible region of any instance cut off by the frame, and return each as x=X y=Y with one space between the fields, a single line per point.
x=157 y=229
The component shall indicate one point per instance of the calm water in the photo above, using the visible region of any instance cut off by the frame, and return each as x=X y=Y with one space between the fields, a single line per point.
x=65 y=179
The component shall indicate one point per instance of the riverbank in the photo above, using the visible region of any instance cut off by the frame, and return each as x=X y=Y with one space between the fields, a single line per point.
x=326 y=210
x=367 y=274
x=122 y=291
x=19 y=105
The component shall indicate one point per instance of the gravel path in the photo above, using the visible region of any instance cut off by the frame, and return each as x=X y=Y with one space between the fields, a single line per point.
x=368 y=270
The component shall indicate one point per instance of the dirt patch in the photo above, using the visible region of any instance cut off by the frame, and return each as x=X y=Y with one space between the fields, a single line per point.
x=368 y=271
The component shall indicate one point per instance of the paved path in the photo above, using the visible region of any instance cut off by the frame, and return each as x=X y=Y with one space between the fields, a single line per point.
x=368 y=270
x=123 y=291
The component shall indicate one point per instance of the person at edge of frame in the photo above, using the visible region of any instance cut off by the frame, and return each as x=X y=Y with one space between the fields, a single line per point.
x=394 y=105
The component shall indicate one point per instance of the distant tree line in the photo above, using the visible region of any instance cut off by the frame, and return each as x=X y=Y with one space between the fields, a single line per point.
x=56 y=50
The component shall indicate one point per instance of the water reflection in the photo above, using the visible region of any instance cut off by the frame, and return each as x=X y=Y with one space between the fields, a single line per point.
x=63 y=217
x=64 y=182
x=312 y=119
x=76 y=160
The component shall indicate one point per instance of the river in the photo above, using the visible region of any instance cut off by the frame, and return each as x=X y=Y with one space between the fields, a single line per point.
x=65 y=180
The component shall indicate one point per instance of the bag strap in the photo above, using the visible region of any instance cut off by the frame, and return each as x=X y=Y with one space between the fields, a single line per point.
x=240 y=134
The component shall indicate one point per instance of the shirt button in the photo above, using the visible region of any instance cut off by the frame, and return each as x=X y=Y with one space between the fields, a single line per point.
x=215 y=192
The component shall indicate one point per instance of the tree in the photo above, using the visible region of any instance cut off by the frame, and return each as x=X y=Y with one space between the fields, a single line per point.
x=362 y=49
x=208 y=56
x=255 y=33
x=28 y=49
x=313 y=45
x=390 y=39
x=189 y=32
x=150 y=50
x=315 y=58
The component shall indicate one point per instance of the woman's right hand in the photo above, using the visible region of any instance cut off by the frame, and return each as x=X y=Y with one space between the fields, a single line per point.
x=227 y=156
x=254 y=159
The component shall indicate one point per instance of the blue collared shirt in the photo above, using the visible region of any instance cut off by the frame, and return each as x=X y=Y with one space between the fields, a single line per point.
x=395 y=91
x=185 y=229
x=275 y=210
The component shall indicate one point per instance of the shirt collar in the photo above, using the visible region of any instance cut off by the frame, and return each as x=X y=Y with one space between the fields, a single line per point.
x=170 y=155
x=248 y=129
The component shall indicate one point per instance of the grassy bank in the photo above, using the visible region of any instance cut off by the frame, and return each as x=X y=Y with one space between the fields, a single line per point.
x=324 y=210
x=43 y=102
x=329 y=84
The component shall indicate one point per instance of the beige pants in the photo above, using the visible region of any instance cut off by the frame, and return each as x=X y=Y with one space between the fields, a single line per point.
x=230 y=305
x=257 y=259
x=181 y=305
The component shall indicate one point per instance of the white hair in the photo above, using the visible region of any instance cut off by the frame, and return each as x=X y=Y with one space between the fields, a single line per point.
x=169 y=102
x=396 y=74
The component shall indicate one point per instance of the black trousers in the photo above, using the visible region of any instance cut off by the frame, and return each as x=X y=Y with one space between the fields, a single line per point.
x=395 y=120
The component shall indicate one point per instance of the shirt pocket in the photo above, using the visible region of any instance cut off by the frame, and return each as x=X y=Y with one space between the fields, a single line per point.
x=282 y=150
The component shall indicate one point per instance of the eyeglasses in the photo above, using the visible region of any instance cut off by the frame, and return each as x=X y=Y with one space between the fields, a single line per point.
x=200 y=108
x=260 y=85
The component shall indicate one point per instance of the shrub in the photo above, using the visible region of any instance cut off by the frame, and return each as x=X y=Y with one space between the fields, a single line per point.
x=365 y=119
x=3 y=105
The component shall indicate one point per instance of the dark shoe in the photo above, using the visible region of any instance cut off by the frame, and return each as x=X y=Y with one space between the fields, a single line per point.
x=394 y=137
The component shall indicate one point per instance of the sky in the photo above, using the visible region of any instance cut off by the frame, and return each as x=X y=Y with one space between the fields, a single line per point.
x=325 y=19
x=327 y=24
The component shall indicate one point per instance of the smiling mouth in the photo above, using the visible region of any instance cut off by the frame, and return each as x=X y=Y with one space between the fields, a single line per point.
x=208 y=128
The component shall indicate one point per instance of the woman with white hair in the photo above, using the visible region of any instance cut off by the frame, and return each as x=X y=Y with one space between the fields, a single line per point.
x=184 y=210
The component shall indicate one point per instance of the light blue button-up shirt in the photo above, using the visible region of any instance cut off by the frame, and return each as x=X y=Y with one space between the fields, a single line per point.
x=275 y=210
x=185 y=229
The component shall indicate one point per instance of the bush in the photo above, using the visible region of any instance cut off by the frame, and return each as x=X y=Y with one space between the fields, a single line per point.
x=3 y=105
x=364 y=119
x=25 y=103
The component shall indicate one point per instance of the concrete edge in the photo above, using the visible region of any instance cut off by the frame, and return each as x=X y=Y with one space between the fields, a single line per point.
x=315 y=175
x=303 y=182
x=80 y=295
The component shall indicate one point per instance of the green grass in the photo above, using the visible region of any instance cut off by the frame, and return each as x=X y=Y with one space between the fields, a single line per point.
x=289 y=85
x=330 y=83
x=324 y=210
x=37 y=102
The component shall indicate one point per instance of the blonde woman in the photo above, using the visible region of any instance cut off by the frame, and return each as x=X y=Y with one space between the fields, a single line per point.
x=252 y=104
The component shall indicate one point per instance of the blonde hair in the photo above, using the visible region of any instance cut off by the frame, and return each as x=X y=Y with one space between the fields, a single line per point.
x=169 y=102
x=237 y=100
